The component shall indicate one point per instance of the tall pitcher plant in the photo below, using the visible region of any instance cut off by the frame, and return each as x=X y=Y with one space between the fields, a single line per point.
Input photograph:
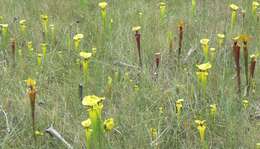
x=94 y=126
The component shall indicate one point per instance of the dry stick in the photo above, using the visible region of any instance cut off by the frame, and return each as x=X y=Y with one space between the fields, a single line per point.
x=122 y=64
x=53 y=132
x=3 y=63
x=189 y=54
x=160 y=135
x=236 y=52
x=118 y=64
x=138 y=44
x=6 y=119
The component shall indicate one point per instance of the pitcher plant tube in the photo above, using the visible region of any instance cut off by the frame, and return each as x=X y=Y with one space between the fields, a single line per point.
x=103 y=6
x=31 y=91
x=201 y=126
x=236 y=54
x=205 y=47
x=136 y=29
x=234 y=9
x=181 y=30
x=255 y=5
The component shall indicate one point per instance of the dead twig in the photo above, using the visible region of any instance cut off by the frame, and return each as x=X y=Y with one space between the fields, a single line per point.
x=122 y=64
x=6 y=119
x=160 y=135
x=189 y=54
x=53 y=132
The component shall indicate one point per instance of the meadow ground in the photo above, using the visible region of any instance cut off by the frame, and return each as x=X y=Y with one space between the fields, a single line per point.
x=144 y=106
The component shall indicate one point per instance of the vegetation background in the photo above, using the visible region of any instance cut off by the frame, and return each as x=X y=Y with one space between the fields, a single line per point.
x=134 y=99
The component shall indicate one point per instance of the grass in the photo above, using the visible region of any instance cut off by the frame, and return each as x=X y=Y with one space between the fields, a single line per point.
x=136 y=98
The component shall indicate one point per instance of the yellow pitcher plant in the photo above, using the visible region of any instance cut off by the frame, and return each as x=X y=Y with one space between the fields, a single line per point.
x=94 y=51
x=162 y=7
x=212 y=55
x=202 y=78
x=245 y=103
x=178 y=107
x=161 y=110
x=109 y=124
x=103 y=6
x=30 y=46
x=94 y=106
x=201 y=126
x=255 y=5
x=22 y=24
x=221 y=38
x=44 y=49
x=31 y=85
x=85 y=60
x=52 y=29
x=213 y=110
x=39 y=59
x=204 y=66
x=193 y=6
x=205 y=47
x=202 y=74
x=257 y=145
x=234 y=9
x=77 y=38
x=154 y=135
x=44 y=21
x=109 y=86
x=4 y=30
x=87 y=125
x=170 y=40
